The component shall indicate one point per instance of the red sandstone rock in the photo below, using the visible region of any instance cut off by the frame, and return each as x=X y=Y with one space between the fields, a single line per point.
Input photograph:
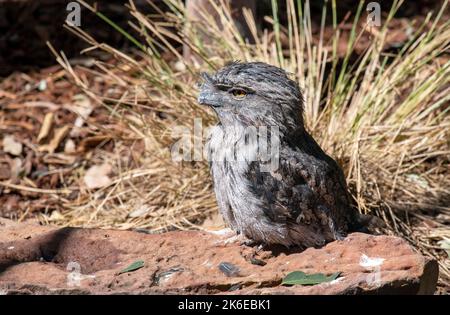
x=44 y=260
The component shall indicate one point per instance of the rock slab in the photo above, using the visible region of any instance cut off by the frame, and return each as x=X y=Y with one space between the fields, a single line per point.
x=38 y=259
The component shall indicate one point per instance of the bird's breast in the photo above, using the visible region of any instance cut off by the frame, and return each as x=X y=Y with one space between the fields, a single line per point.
x=233 y=146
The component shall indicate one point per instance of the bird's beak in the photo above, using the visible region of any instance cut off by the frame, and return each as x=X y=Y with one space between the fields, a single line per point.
x=207 y=96
x=202 y=98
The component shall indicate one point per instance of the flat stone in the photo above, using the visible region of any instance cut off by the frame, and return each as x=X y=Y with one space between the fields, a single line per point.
x=37 y=259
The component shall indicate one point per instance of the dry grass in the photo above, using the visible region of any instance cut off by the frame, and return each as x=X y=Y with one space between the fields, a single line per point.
x=385 y=118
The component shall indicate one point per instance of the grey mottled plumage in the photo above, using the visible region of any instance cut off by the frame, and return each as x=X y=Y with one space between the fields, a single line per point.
x=305 y=200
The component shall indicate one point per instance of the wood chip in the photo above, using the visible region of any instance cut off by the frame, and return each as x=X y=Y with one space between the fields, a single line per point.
x=46 y=127
x=91 y=142
x=60 y=133
x=7 y=94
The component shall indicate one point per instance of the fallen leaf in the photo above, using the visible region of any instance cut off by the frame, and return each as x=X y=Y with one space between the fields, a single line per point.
x=97 y=176
x=134 y=266
x=299 y=277
x=10 y=145
x=46 y=127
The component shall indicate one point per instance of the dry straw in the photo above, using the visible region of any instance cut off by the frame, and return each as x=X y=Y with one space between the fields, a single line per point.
x=384 y=118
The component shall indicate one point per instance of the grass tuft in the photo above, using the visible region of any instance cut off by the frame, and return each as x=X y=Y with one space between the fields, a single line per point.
x=384 y=116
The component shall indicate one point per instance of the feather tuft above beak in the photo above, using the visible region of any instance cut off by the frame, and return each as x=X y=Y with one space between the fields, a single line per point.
x=206 y=77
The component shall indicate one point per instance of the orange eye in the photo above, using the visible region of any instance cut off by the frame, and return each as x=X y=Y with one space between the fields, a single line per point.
x=239 y=93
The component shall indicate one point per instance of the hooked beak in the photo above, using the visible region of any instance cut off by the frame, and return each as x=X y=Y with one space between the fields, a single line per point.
x=207 y=95
x=208 y=98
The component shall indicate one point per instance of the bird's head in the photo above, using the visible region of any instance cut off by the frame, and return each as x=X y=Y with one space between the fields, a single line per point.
x=253 y=94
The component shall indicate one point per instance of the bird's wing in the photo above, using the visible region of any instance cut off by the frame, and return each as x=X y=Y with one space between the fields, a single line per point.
x=320 y=174
x=305 y=186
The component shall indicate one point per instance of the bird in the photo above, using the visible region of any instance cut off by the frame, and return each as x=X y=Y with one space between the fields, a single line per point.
x=304 y=199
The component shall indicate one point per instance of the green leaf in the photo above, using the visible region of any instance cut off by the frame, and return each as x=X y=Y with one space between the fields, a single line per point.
x=299 y=277
x=134 y=266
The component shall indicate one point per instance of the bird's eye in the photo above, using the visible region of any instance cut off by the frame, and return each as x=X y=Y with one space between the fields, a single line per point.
x=239 y=93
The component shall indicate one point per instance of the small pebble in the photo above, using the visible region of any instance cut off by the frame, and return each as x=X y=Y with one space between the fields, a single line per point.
x=256 y=261
x=164 y=275
x=42 y=86
x=229 y=269
x=234 y=287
